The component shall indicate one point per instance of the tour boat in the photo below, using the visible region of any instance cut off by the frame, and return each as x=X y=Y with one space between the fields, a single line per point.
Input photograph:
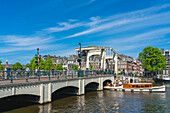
x=162 y=79
x=136 y=87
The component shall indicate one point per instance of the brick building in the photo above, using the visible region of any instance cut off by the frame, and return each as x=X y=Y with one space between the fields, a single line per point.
x=129 y=65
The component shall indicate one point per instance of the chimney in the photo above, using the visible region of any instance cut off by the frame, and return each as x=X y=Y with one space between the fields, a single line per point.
x=54 y=56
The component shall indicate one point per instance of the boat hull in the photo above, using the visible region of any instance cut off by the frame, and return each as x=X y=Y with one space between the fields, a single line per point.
x=153 y=89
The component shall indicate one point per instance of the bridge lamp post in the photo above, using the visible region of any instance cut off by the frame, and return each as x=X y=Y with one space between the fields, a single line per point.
x=79 y=55
x=80 y=73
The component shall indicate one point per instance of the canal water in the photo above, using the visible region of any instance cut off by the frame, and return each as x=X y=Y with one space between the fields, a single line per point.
x=105 y=102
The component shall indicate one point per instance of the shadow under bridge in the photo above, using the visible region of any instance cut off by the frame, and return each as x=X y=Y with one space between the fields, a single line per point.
x=65 y=92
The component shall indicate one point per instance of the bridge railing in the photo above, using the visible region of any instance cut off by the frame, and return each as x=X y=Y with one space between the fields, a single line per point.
x=28 y=76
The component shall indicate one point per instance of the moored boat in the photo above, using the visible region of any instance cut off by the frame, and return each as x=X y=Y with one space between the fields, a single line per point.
x=143 y=87
x=114 y=87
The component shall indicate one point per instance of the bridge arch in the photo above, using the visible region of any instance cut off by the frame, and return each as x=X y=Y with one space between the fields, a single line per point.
x=92 y=86
x=64 y=92
x=107 y=81
x=17 y=101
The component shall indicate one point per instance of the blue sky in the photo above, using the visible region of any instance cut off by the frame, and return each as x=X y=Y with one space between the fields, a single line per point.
x=57 y=26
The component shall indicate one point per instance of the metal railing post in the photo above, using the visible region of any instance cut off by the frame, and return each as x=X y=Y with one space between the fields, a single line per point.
x=38 y=75
x=65 y=74
x=72 y=74
x=58 y=75
x=27 y=76
x=11 y=77
x=49 y=75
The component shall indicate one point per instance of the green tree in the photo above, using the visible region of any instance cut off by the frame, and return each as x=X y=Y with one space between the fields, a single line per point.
x=59 y=67
x=27 y=65
x=75 y=67
x=152 y=59
x=32 y=65
x=16 y=66
x=91 y=66
x=1 y=67
x=48 y=63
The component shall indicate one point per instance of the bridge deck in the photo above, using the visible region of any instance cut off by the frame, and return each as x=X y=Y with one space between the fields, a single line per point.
x=42 y=78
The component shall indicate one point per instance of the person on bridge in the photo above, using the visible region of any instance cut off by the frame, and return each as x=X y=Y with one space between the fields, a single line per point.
x=8 y=72
x=5 y=73
x=53 y=71
x=19 y=72
x=27 y=71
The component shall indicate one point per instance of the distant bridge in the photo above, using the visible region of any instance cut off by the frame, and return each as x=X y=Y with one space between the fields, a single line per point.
x=102 y=52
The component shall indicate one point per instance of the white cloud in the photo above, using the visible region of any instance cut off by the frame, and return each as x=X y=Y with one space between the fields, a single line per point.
x=95 y=21
x=119 y=22
x=95 y=18
x=141 y=40
x=146 y=36
x=99 y=23
x=15 y=40
x=72 y=20
x=62 y=27
x=106 y=26
x=137 y=41
x=138 y=17
x=42 y=47
x=13 y=43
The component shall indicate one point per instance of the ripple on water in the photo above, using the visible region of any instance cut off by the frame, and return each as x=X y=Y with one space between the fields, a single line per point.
x=106 y=102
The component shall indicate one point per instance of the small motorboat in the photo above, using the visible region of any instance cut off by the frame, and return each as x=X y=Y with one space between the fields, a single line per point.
x=136 y=87
x=114 y=87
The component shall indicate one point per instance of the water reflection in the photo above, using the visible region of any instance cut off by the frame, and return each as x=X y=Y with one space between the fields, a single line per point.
x=105 y=102
x=45 y=108
x=148 y=108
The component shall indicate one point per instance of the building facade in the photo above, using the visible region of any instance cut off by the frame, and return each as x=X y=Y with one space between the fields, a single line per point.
x=67 y=62
x=166 y=55
x=129 y=65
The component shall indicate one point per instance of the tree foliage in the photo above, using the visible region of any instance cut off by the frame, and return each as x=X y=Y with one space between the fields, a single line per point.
x=152 y=59
x=1 y=67
x=17 y=66
x=48 y=63
x=27 y=65
x=75 y=67
x=59 y=67
x=91 y=66
x=32 y=65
